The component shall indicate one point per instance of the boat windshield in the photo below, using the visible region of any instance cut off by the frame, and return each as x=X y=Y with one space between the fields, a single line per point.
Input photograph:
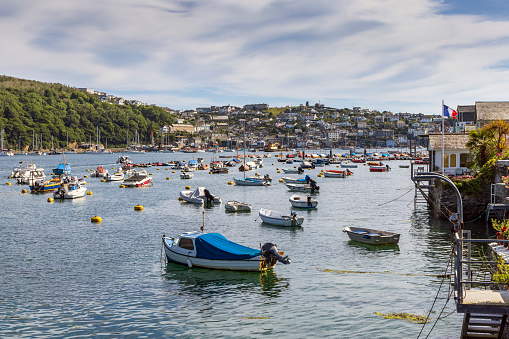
x=186 y=243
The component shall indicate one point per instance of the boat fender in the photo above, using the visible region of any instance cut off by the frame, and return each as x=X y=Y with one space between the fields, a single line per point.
x=189 y=263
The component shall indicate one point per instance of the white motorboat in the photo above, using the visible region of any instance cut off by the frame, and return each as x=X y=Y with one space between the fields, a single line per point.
x=213 y=250
x=292 y=170
x=303 y=188
x=24 y=169
x=303 y=202
x=371 y=236
x=71 y=190
x=186 y=175
x=276 y=218
x=235 y=206
x=124 y=160
x=199 y=196
x=266 y=177
x=117 y=176
x=138 y=179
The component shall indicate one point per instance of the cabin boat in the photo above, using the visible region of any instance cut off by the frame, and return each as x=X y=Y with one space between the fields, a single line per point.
x=199 y=196
x=62 y=169
x=303 y=202
x=213 y=250
x=138 y=179
x=117 y=176
x=278 y=219
x=71 y=190
x=235 y=206
x=24 y=170
x=371 y=236
x=40 y=186
x=100 y=172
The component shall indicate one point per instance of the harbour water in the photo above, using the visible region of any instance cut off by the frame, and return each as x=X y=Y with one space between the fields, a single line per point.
x=63 y=276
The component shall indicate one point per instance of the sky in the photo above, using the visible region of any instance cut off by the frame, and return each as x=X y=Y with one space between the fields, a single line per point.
x=394 y=55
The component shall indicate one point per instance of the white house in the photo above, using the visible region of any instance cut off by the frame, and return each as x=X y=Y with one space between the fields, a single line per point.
x=455 y=156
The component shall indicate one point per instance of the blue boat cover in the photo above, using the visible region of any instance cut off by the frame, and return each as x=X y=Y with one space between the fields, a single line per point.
x=62 y=169
x=193 y=162
x=216 y=246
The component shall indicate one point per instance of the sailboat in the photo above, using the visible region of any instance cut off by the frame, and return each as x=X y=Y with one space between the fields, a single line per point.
x=2 y=152
x=249 y=181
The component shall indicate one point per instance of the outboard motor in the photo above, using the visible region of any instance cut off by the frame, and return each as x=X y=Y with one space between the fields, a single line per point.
x=208 y=196
x=269 y=250
x=300 y=170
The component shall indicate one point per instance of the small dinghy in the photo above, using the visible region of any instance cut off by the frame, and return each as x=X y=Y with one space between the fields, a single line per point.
x=300 y=201
x=117 y=176
x=199 y=196
x=372 y=237
x=213 y=250
x=293 y=170
x=349 y=166
x=301 y=181
x=335 y=174
x=100 y=172
x=235 y=206
x=278 y=219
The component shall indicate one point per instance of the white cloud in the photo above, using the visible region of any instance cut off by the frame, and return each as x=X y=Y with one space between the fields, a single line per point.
x=393 y=54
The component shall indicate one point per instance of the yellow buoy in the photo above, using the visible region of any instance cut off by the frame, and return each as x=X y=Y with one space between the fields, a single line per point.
x=138 y=208
x=228 y=171
x=151 y=173
x=96 y=219
x=180 y=198
x=167 y=178
x=113 y=168
x=87 y=169
x=86 y=176
x=166 y=168
x=24 y=191
x=210 y=172
x=278 y=171
x=188 y=187
x=257 y=174
x=272 y=164
x=89 y=192
x=172 y=171
x=121 y=186
x=103 y=180
x=158 y=169
x=8 y=183
x=319 y=175
x=230 y=182
x=281 y=180
x=50 y=199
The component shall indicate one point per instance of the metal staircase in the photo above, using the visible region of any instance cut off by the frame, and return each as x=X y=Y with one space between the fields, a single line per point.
x=483 y=325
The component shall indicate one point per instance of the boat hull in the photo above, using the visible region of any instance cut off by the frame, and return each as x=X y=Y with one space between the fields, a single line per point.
x=246 y=182
x=280 y=221
x=254 y=264
x=371 y=236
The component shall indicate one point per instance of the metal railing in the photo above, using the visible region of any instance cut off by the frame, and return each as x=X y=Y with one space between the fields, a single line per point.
x=499 y=194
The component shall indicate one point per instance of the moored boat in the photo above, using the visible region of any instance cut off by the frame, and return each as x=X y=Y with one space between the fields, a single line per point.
x=117 y=176
x=186 y=175
x=349 y=166
x=251 y=182
x=379 y=168
x=213 y=250
x=303 y=202
x=40 y=186
x=278 y=219
x=335 y=174
x=235 y=206
x=71 y=190
x=303 y=188
x=138 y=179
x=371 y=236
x=199 y=196
x=63 y=168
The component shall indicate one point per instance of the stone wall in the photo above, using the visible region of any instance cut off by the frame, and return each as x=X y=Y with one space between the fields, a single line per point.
x=473 y=206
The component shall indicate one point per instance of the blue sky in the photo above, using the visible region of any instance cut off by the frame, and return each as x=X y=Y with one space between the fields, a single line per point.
x=397 y=55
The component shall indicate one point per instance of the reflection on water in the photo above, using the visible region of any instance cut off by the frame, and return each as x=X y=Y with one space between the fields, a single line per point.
x=374 y=248
x=293 y=229
x=205 y=282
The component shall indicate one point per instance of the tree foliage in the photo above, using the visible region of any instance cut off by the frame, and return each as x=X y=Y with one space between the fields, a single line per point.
x=54 y=110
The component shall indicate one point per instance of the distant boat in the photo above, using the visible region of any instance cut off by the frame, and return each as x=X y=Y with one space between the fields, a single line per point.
x=213 y=250
x=138 y=179
x=371 y=236
x=199 y=196
x=71 y=190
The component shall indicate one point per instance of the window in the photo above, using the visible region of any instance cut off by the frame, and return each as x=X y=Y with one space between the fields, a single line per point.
x=446 y=160
x=452 y=160
x=186 y=243
x=463 y=159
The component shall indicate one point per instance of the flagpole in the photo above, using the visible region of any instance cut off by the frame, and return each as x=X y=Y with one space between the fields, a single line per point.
x=443 y=125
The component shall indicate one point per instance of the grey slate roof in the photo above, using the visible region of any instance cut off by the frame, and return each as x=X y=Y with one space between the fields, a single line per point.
x=492 y=110
x=451 y=141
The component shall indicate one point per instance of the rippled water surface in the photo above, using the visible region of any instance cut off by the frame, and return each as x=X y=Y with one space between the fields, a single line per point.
x=63 y=276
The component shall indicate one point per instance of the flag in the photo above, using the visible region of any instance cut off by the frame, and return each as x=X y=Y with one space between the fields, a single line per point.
x=449 y=112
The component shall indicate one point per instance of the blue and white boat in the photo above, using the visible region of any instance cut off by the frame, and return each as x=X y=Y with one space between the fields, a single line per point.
x=62 y=169
x=251 y=182
x=213 y=250
x=301 y=181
